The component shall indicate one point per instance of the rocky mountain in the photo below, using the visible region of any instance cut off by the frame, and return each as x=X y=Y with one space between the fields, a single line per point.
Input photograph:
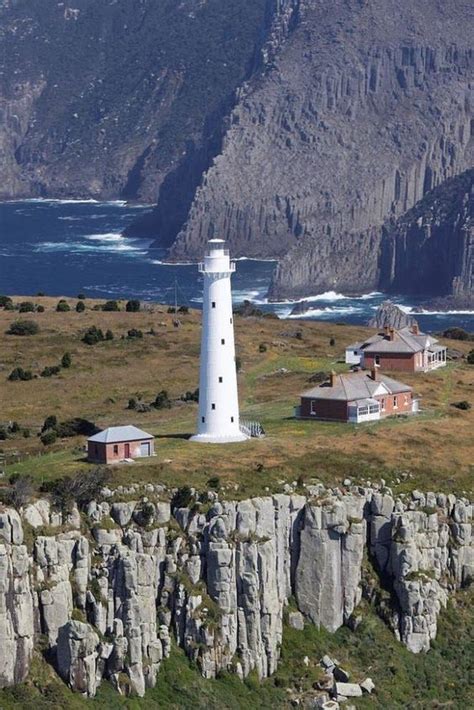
x=293 y=128
x=389 y=314
x=107 y=590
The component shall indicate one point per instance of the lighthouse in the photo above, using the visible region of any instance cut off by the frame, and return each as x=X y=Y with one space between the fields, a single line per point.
x=218 y=419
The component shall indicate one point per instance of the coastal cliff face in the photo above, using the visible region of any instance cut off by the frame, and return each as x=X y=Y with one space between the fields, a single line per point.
x=430 y=250
x=106 y=590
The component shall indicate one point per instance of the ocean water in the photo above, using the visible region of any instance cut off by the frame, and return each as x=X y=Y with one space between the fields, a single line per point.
x=65 y=247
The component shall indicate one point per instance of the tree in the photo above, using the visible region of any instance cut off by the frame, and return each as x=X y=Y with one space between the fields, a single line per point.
x=63 y=306
x=110 y=306
x=49 y=423
x=162 y=401
x=66 y=360
x=133 y=306
x=80 y=307
x=23 y=327
x=182 y=498
x=20 y=374
x=456 y=333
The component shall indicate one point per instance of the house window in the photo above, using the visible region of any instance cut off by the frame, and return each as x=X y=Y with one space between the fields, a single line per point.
x=373 y=408
x=213 y=406
x=220 y=379
x=232 y=420
x=406 y=399
x=222 y=341
x=382 y=405
x=116 y=449
x=355 y=352
x=312 y=409
x=377 y=359
x=395 y=402
x=363 y=410
x=213 y=304
x=203 y=419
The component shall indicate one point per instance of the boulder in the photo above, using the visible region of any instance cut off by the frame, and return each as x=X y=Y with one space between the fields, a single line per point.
x=77 y=654
x=296 y=620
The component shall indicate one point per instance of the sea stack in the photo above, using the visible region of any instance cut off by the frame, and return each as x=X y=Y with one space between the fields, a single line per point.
x=218 y=420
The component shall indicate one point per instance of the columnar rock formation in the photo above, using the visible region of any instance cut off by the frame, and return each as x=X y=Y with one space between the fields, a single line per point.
x=109 y=597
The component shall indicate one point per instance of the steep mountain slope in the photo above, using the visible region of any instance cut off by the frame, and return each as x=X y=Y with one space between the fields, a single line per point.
x=104 y=99
x=363 y=110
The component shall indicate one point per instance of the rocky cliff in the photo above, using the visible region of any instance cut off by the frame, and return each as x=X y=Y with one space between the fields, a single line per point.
x=108 y=589
x=430 y=250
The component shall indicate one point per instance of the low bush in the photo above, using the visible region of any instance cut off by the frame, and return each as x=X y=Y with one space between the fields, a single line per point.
x=5 y=300
x=76 y=427
x=463 y=404
x=81 y=296
x=49 y=423
x=132 y=403
x=48 y=437
x=132 y=306
x=191 y=396
x=20 y=374
x=40 y=309
x=50 y=370
x=23 y=327
x=66 y=360
x=20 y=491
x=262 y=348
x=109 y=335
x=162 y=401
x=110 y=306
x=470 y=357
x=214 y=482
x=82 y=488
x=93 y=335
x=456 y=334
x=80 y=307
x=332 y=342
x=63 y=306
x=27 y=307
x=134 y=334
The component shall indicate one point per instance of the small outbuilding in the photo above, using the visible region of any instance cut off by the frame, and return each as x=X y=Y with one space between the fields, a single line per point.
x=118 y=443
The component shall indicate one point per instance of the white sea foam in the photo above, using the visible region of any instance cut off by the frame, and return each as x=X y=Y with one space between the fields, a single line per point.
x=327 y=312
x=413 y=310
x=80 y=247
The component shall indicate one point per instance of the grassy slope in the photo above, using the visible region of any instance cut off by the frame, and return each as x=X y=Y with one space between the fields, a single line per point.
x=442 y=678
x=104 y=376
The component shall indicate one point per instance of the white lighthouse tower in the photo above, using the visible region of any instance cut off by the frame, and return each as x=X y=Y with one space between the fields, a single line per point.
x=218 y=421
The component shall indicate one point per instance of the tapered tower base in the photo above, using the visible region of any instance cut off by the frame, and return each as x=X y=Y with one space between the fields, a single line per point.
x=226 y=439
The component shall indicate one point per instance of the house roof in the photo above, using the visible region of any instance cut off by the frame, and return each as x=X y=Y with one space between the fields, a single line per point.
x=120 y=433
x=356 y=385
x=404 y=341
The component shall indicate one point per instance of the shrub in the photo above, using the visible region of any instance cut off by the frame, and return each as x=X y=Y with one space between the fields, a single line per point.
x=21 y=490
x=41 y=293
x=76 y=427
x=110 y=306
x=238 y=363
x=183 y=309
x=48 y=437
x=109 y=335
x=132 y=403
x=463 y=404
x=134 y=333
x=470 y=357
x=50 y=370
x=4 y=300
x=80 y=307
x=214 y=482
x=262 y=348
x=93 y=335
x=20 y=374
x=332 y=342
x=82 y=488
x=162 y=401
x=14 y=427
x=66 y=360
x=132 y=306
x=27 y=307
x=40 y=309
x=63 y=306
x=456 y=334
x=49 y=423
x=182 y=498
x=191 y=396
x=23 y=327
x=81 y=296
x=299 y=335
x=26 y=433
x=3 y=433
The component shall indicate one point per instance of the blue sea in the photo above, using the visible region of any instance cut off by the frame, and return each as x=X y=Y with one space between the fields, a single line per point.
x=65 y=247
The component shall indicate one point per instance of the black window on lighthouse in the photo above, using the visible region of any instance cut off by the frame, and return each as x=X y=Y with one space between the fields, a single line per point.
x=220 y=379
x=222 y=341
x=213 y=406
x=213 y=304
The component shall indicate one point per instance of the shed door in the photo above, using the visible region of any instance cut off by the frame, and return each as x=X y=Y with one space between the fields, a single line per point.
x=127 y=451
x=145 y=448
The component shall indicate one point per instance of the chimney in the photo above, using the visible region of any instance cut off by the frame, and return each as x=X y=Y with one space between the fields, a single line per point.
x=392 y=333
x=374 y=373
x=386 y=330
x=415 y=329
x=333 y=378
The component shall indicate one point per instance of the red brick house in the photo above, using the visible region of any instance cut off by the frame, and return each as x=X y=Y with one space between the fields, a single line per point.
x=357 y=397
x=407 y=350
x=118 y=443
